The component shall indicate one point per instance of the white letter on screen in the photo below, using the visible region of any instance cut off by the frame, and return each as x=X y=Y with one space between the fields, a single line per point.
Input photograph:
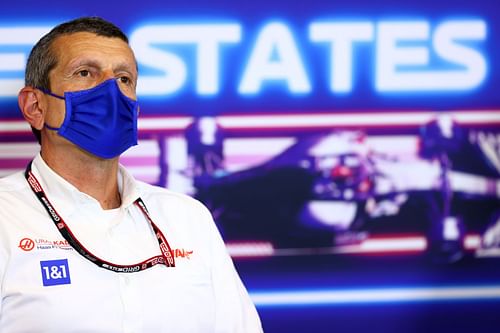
x=172 y=67
x=274 y=57
x=474 y=65
x=341 y=37
x=207 y=39
x=390 y=56
x=469 y=73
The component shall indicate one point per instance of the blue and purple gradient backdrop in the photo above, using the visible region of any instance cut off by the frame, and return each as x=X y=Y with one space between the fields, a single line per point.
x=315 y=272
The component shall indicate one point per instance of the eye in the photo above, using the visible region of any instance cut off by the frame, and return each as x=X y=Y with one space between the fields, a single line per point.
x=83 y=73
x=125 y=80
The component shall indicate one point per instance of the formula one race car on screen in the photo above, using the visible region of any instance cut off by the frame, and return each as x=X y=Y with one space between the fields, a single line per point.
x=335 y=188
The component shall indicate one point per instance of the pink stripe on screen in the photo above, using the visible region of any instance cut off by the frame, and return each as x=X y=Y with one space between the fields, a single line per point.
x=14 y=163
x=139 y=160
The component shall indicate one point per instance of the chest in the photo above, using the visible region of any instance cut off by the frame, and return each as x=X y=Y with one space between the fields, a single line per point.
x=49 y=287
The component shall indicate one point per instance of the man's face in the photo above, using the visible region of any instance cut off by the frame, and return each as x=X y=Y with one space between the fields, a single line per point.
x=85 y=60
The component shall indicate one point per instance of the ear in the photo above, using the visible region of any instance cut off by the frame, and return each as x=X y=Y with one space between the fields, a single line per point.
x=32 y=106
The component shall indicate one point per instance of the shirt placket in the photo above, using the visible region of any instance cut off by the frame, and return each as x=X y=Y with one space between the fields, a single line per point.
x=132 y=308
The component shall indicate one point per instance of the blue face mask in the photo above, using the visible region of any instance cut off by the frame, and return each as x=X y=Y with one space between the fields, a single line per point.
x=100 y=120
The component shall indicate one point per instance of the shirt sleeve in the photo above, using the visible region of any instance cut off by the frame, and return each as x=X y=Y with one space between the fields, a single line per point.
x=234 y=310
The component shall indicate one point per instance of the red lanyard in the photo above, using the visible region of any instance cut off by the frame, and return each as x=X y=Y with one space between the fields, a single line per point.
x=166 y=258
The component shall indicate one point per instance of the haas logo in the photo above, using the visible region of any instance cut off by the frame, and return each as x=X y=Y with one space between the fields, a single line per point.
x=26 y=244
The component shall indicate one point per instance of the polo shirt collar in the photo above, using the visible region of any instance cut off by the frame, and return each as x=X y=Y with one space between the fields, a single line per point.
x=67 y=199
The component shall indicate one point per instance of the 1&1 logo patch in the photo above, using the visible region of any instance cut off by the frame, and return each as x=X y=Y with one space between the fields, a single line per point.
x=55 y=272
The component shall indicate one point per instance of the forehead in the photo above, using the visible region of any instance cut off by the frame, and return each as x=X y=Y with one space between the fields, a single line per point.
x=70 y=48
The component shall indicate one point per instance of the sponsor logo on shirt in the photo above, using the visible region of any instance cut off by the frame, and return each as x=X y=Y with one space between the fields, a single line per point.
x=55 y=272
x=28 y=244
x=182 y=253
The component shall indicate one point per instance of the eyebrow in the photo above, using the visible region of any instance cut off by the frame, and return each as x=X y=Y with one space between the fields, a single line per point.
x=95 y=64
x=126 y=68
x=82 y=62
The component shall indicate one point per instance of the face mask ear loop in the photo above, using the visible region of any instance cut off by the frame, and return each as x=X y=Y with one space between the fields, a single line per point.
x=48 y=92
x=50 y=127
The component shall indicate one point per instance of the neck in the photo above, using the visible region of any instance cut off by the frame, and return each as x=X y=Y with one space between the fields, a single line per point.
x=89 y=174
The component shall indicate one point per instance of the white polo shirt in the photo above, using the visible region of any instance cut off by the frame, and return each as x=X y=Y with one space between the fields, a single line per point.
x=46 y=286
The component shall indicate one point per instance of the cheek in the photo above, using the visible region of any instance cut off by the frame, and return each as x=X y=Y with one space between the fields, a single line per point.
x=55 y=113
x=128 y=91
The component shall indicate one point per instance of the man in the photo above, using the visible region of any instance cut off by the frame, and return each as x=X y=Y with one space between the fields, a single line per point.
x=83 y=246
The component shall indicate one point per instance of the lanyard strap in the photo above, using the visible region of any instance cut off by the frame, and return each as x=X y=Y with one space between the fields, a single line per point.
x=166 y=258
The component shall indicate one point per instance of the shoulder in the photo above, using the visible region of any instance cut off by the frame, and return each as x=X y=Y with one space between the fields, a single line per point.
x=15 y=194
x=13 y=183
x=14 y=199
